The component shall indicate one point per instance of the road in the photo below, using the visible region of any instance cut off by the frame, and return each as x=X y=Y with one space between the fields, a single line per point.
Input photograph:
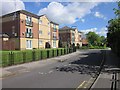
x=76 y=72
x=110 y=73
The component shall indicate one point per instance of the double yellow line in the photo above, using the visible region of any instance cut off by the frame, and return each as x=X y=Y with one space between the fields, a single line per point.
x=84 y=84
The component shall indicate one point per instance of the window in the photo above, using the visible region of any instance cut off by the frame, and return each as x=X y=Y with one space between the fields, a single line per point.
x=48 y=33
x=40 y=32
x=48 y=24
x=54 y=27
x=28 y=30
x=54 y=36
x=54 y=44
x=28 y=20
x=40 y=21
x=29 y=44
x=40 y=42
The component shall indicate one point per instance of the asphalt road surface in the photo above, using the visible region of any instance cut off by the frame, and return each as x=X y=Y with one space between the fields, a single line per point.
x=76 y=72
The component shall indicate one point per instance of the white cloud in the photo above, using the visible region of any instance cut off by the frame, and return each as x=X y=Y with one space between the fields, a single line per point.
x=70 y=0
x=82 y=20
x=89 y=30
x=11 y=6
x=101 y=32
x=67 y=14
x=99 y=15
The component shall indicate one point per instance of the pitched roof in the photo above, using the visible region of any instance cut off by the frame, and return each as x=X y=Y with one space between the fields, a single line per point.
x=67 y=28
x=48 y=19
x=22 y=11
x=30 y=14
x=54 y=22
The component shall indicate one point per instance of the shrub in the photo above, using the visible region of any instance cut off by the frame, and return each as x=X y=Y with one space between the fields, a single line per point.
x=5 y=59
x=18 y=57
x=44 y=54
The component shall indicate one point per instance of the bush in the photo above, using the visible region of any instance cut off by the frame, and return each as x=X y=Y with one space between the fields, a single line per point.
x=18 y=57
x=44 y=54
x=5 y=59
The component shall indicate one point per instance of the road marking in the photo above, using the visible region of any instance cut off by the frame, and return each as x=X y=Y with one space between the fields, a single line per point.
x=65 y=65
x=85 y=84
x=50 y=71
x=81 y=85
x=40 y=72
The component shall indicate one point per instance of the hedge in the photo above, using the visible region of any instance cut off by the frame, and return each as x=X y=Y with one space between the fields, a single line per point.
x=17 y=57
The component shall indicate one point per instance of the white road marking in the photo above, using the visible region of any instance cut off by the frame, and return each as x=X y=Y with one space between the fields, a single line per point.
x=65 y=65
x=50 y=71
x=40 y=72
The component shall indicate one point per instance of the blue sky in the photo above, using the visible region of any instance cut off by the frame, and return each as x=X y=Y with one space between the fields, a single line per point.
x=96 y=20
x=86 y=16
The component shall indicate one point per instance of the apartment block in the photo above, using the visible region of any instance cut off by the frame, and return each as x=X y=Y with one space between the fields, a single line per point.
x=22 y=28
x=28 y=31
x=69 y=36
x=44 y=32
x=54 y=27
x=48 y=33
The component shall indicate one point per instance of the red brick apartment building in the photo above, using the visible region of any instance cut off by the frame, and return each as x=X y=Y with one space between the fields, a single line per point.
x=22 y=29
x=28 y=31
x=69 y=35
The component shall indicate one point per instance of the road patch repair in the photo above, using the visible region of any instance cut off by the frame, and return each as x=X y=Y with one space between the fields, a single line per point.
x=13 y=71
x=90 y=83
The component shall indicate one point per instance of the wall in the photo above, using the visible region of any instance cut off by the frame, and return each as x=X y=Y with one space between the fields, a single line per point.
x=23 y=27
x=45 y=28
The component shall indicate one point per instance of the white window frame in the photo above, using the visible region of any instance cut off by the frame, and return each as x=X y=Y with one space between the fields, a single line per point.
x=40 y=21
x=40 y=42
x=40 y=32
x=54 y=43
x=27 y=44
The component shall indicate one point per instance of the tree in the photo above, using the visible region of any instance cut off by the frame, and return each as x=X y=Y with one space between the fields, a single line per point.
x=103 y=40
x=60 y=44
x=93 y=38
x=113 y=35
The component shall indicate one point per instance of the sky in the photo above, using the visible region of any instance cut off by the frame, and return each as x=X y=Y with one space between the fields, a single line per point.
x=86 y=16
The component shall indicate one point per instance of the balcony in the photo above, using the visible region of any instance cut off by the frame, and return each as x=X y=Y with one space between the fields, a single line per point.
x=54 y=29
x=54 y=37
x=29 y=35
x=29 y=23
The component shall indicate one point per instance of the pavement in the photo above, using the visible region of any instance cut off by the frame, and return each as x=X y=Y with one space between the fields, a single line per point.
x=110 y=73
x=76 y=70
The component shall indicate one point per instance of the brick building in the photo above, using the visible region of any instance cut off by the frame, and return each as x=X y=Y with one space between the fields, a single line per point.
x=69 y=36
x=27 y=30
